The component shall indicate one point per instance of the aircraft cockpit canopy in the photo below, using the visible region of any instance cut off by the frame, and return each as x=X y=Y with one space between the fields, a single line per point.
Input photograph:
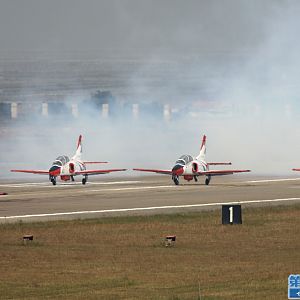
x=61 y=160
x=184 y=159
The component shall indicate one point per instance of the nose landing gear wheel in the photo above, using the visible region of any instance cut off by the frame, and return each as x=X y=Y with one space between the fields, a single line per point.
x=175 y=179
x=195 y=178
x=53 y=181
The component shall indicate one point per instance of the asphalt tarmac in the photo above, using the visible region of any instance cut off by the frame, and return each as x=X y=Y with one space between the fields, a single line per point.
x=40 y=201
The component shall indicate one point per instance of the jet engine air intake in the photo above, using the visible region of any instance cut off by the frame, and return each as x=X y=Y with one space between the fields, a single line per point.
x=195 y=167
x=71 y=168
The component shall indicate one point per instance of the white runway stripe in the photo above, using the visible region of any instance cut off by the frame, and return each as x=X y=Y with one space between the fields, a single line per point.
x=133 y=188
x=117 y=210
x=272 y=180
x=47 y=184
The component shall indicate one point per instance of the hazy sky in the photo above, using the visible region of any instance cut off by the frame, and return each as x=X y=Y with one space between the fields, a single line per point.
x=213 y=25
x=265 y=81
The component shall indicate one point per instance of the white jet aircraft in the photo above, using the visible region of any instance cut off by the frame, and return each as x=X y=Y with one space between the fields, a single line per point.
x=191 y=167
x=67 y=168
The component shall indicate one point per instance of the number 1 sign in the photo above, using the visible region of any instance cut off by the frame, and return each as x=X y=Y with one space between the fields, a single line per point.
x=231 y=214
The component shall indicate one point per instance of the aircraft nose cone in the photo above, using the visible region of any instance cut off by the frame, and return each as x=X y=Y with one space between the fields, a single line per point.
x=54 y=171
x=177 y=170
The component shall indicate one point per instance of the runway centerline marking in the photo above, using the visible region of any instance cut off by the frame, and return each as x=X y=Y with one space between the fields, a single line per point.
x=145 y=208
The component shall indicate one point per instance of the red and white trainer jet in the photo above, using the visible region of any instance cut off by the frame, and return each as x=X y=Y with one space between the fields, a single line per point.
x=191 y=167
x=67 y=168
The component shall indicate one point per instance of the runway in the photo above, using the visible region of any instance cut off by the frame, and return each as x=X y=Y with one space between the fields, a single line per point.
x=39 y=200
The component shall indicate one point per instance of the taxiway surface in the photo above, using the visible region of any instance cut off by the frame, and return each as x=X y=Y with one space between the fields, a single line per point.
x=32 y=201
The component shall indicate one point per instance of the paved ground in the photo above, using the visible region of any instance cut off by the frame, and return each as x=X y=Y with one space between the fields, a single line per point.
x=39 y=200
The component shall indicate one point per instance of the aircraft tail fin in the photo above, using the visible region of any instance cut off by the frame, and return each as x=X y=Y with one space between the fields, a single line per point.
x=202 y=153
x=79 y=148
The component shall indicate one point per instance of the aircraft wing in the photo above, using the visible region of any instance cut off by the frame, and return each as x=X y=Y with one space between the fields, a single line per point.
x=222 y=172
x=42 y=172
x=94 y=162
x=97 y=172
x=219 y=163
x=167 y=172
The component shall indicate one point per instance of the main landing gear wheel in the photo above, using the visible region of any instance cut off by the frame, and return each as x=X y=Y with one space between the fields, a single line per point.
x=84 y=179
x=195 y=178
x=207 y=180
x=72 y=178
x=175 y=179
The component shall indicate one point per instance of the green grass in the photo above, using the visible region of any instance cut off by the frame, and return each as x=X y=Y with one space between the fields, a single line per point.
x=125 y=258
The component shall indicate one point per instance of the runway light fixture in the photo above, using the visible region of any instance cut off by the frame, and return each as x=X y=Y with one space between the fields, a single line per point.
x=27 y=238
x=170 y=240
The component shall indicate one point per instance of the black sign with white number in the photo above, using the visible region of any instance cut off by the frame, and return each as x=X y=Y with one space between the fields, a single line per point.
x=231 y=214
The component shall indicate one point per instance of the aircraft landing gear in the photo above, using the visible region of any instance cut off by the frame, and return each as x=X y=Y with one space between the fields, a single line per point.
x=53 y=180
x=175 y=178
x=84 y=179
x=195 y=178
x=72 y=178
x=207 y=180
